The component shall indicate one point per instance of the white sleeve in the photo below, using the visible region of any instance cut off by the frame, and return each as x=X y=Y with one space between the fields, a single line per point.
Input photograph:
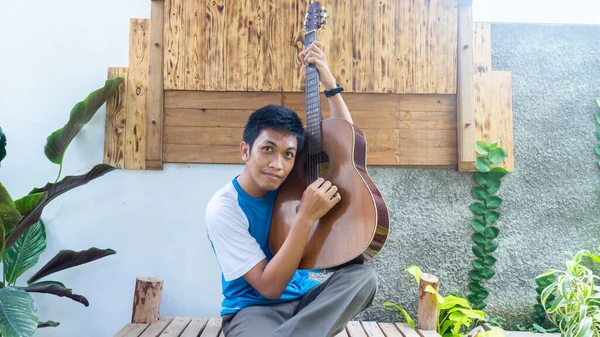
x=236 y=250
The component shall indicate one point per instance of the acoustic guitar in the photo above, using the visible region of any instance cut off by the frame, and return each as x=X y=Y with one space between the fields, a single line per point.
x=355 y=229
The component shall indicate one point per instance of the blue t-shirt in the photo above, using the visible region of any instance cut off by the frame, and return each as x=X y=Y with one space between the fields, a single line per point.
x=237 y=226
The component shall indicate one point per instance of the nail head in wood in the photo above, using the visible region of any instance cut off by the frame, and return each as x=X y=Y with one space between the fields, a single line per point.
x=156 y=44
x=154 y=121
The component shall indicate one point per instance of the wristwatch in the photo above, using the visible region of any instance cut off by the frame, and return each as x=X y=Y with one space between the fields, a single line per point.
x=334 y=91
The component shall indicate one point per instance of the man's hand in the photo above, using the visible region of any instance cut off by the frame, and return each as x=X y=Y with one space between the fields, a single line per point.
x=318 y=198
x=315 y=54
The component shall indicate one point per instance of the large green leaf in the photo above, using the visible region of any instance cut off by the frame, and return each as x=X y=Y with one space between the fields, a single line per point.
x=497 y=172
x=66 y=259
x=81 y=114
x=491 y=217
x=477 y=208
x=2 y=145
x=8 y=211
x=482 y=147
x=481 y=178
x=497 y=155
x=493 y=185
x=407 y=317
x=493 y=202
x=479 y=193
x=25 y=252
x=482 y=164
x=478 y=225
x=58 y=290
x=491 y=232
x=18 y=313
x=51 y=191
x=48 y=324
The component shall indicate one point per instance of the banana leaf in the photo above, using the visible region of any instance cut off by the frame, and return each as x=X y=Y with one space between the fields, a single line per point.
x=2 y=145
x=57 y=290
x=18 y=313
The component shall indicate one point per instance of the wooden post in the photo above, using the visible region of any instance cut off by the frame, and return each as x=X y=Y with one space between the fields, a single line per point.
x=427 y=311
x=146 y=300
x=465 y=112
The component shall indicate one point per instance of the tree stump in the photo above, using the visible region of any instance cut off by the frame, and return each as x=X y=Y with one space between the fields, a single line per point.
x=146 y=300
x=428 y=305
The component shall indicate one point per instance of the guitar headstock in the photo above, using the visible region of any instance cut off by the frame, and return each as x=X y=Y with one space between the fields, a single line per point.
x=315 y=17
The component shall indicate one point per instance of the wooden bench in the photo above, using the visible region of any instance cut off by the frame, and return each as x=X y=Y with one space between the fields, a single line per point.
x=211 y=327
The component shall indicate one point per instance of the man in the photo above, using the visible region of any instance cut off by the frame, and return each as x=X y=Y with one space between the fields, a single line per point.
x=265 y=294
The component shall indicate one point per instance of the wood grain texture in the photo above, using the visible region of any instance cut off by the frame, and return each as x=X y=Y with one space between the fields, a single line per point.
x=214 y=68
x=195 y=327
x=372 y=329
x=175 y=329
x=362 y=46
x=115 y=121
x=465 y=97
x=236 y=56
x=137 y=104
x=175 y=45
x=213 y=327
x=257 y=45
x=385 y=65
x=389 y=330
x=157 y=327
x=340 y=49
x=194 y=26
x=154 y=121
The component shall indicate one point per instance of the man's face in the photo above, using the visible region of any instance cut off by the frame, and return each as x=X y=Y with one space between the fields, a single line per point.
x=271 y=160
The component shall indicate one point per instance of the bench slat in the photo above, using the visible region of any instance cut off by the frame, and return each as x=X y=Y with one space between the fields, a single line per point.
x=342 y=334
x=372 y=329
x=390 y=330
x=407 y=330
x=195 y=328
x=428 y=333
x=176 y=327
x=213 y=327
x=157 y=327
x=355 y=329
x=131 y=330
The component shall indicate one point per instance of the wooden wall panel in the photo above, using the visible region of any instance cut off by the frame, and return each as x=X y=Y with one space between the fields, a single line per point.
x=115 y=122
x=137 y=104
x=406 y=46
x=411 y=130
x=154 y=120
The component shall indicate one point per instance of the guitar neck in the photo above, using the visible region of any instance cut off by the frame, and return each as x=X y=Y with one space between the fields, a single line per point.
x=313 y=101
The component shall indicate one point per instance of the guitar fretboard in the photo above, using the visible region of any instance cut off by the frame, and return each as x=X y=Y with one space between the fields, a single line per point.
x=313 y=102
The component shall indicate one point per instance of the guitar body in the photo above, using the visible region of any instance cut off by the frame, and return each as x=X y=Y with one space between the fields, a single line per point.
x=354 y=230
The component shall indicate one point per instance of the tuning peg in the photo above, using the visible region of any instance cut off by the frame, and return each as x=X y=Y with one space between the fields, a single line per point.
x=324 y=22
x=324 y=9
x=325 y=16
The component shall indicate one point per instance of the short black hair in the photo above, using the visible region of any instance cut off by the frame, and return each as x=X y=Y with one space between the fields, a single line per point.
x=274 y=117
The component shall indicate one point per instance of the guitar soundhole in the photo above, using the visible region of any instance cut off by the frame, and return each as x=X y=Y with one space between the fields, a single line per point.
x=315 y=166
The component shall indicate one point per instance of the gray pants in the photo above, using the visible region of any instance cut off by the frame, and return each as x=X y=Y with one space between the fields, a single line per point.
x=323 y=311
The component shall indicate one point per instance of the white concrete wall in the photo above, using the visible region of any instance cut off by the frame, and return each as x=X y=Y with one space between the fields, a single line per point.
x=52 y=54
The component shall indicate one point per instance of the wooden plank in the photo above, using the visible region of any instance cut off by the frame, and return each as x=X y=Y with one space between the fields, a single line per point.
x=154 y=122
x=433 y=102
x=195 y=327
x=157 y=327
x=424 y=156
x=372 y=329
x=174 y=72
x=343 y=333
x=236 y=65
x=215 y=72
x=298 y=74
x=389 y=330
x=257 y=45
x=214 y=118
x=137 y=104
x=354 y=101
x=219 y=100
x=115 y=122
x=385 y=66
x=404 y=42
x=131 y=330
x=218 y=154
x=482 y=47
x=193 y=135
x=407 y=330
x=428 y=138
x=355 y=329
x=386 y=119
x=213 y=327
x=428 y=333
x=339 y=55
x=417 y=120
x=382 y=146
x=289 y=26
x=362 y=46
x=420 y=58
x=443 y=47
x=176 y=327
x=465 y=96
x=275 y=29
x=194 y=47
x=501 y=116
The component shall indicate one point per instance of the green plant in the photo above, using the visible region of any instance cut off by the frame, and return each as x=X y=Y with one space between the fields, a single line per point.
x=2 y=145
x=23 y=233
x=572 y=301
x=455 y=314
x=538 y=316
x=484 y=209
